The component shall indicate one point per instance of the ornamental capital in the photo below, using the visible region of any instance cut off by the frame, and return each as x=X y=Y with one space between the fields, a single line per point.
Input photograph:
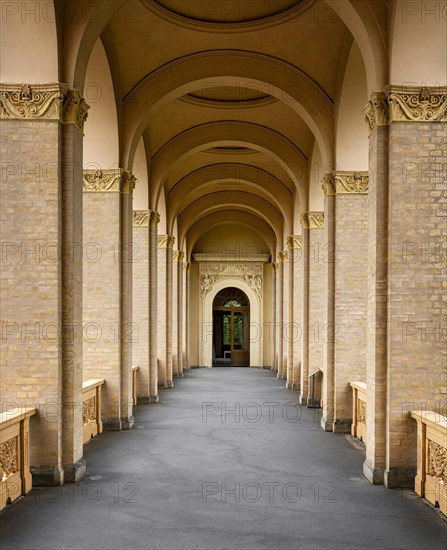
x=312 y=220
x=141 y=218
x=165 y=241
x=328 y=184
x=154 y=218
x=376 y=110
x=128 y=181
x=294 y=242
x=281 y=257
x=74 y=109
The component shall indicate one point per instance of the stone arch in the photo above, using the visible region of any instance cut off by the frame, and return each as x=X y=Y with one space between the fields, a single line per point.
x=220 y=133
x=184 y=75
x=206 y=222
x=206 y=178
x=206 y=321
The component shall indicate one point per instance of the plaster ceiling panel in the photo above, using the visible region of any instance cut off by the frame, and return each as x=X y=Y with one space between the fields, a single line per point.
x=312 y=41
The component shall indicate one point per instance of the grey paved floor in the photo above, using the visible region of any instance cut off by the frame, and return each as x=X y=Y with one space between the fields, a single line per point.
x=192 y=475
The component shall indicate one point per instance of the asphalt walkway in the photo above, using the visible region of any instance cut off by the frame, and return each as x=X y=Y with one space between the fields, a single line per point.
x=227 y=460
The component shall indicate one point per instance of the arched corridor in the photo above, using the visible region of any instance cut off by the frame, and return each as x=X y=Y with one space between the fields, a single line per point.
x=229 y=462
x=189 y=185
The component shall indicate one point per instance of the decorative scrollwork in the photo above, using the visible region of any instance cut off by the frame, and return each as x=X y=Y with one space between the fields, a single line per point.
x=102 y=180
x=141 y=218
x=437 y=460
x=89 y=411
x=424 y=105
x=294 y=242
x=31 y=101
x=312 y=220
x=376 y=110
x=9 y=462
x=328 y=185
x=361 y=411
x=74 y=109
x=348 y=182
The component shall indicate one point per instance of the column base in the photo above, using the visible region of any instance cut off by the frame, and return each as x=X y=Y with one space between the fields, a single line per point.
x=289 y=385
x=342 y=426
x=327 y=424
x=399 y=478
x=147 y=399
x=373 y=475
x=47 y=476
x=281 y=376
x=169 y=384
x=118 y=424
x=178 y=375
x=313 y=403
x=302 y=400
x=75 y=472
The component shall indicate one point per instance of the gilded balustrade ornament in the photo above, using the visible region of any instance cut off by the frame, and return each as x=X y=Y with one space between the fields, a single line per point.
x=8 y=458
x=312 y=220
x=406 y=104
x=43 y=101
x=141 y=218
x=89 y=411
x=437 y=461
x=361 y=411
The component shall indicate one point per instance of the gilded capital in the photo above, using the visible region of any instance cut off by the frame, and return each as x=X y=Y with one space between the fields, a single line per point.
x=376 y=110
x=154 y=218
x=165 y=241
x=294 y=242
x=281 y=256
x=141 y=218
x=74 y=109
x=312 y=220
x=328 y=184
x=128 y=181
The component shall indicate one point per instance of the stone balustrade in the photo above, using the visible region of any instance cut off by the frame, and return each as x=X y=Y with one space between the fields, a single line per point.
x=134 y=385
x=16 y=478
x=91 y=408
x=359 y=404
x=431 y=477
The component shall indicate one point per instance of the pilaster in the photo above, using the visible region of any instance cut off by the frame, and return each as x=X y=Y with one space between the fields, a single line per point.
x=154 y=219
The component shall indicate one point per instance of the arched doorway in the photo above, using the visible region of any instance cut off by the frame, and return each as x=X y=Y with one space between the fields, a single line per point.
x=231 y=326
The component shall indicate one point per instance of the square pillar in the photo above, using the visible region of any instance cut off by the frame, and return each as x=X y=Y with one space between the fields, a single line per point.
x=154 y=219
x=314 y=330
x=294 y=308
x=41 y=132
x=107 y=285
x=140 y=304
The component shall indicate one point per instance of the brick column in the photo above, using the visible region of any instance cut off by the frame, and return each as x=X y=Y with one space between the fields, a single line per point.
x=349 y=255
x=304 y=317
x=294 y=243
x=41 y=129
x=140 y=303
x=274 y=333
x=314 y=223
x=180 y=312
x=327 y=256
x=174 y=320
x=288 y=312
x=279 y=315
x=376 y=377
x=108 y=292
x=286 y=366
x=417 y=236
x=187 y=365
x=165 y=244
x=153 y=307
